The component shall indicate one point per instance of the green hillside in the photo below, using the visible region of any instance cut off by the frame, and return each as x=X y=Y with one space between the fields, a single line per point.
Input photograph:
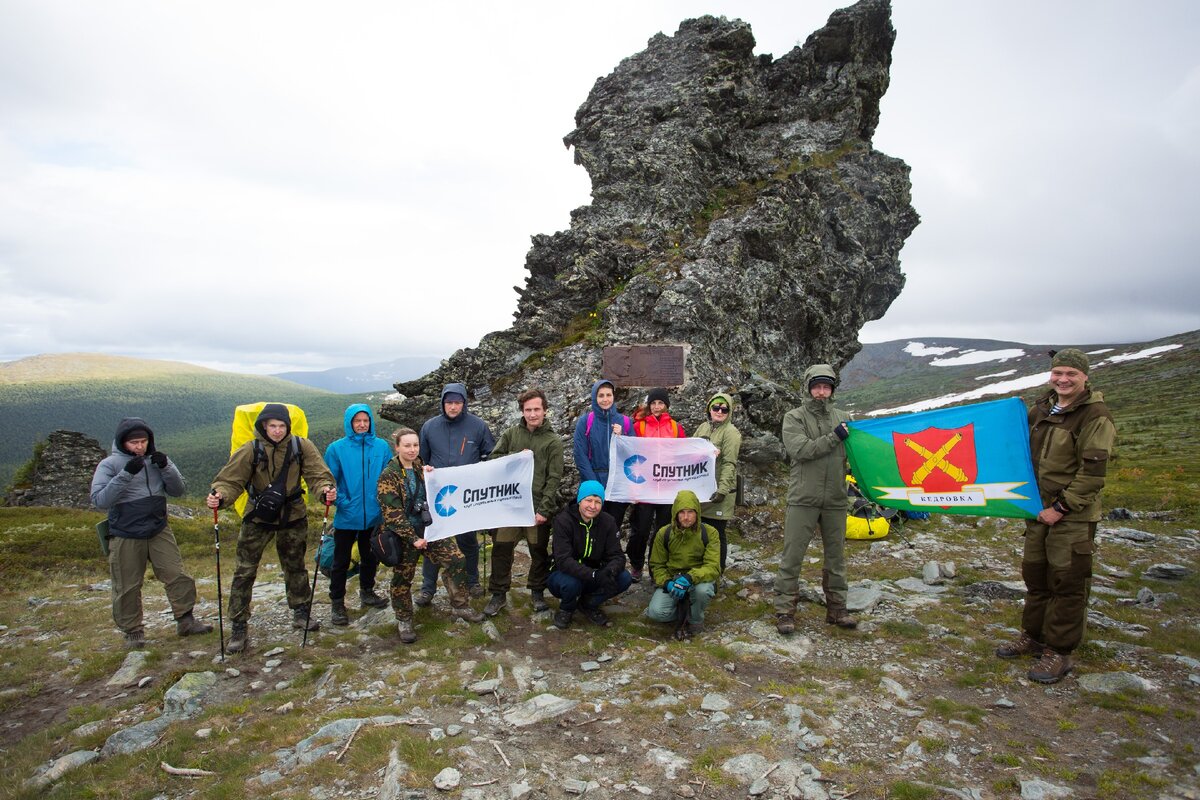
x=189 y=407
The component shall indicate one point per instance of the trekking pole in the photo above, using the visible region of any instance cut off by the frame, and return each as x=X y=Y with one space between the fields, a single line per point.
x=217 y=547
x=316 y=571
x=683 y=612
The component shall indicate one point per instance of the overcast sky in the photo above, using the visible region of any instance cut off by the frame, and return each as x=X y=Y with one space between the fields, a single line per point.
x=292 y=185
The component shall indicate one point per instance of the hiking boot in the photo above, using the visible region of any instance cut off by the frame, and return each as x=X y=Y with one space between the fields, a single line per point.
x=539 y=601
x=494 y=605
x=785 y=624
x=635 y=575
x=693 y=629
x=188 y=625
x=467 y=613
x=136 y=640
x=598 y=617
x=303 y=620
x=337 y=613
x=475 y=590
x=1023 y=645
x=1052 y=667
x=423 y=599
x=368 y=599
x=405 y=629
x=239 y=640
x=562 y=619
x=840 y=617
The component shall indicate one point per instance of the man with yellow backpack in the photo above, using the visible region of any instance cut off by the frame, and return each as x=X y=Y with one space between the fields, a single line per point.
x=269 y=468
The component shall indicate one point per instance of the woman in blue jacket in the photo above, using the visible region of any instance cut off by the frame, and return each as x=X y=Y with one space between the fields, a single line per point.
x=590 y=444
x=356 y=460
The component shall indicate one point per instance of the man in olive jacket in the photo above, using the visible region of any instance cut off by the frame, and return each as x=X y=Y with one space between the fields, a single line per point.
x=685 y=562
x=1071 y=435
x=532 y=433
x=256 y=466
x=813 y=437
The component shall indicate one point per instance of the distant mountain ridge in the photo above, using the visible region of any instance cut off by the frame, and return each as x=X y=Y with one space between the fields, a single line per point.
x=375 y=377
x=66 y=367
x=899 y=373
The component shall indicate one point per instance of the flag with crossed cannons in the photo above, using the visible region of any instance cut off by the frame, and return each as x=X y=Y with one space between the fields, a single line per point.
x=971 y=460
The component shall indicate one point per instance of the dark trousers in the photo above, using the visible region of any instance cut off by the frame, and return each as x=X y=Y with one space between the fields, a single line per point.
x=468 y=543
x=720 y=524
x=538 y=538
x=570 y=590
x=343 y=543
x=616 y=511
x=646 y=519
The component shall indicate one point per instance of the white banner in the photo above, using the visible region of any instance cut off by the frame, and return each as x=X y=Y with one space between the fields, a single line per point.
x=655 y=470
x=490 y=494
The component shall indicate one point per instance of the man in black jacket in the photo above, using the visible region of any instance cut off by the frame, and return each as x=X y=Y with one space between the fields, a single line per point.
x=589 y=566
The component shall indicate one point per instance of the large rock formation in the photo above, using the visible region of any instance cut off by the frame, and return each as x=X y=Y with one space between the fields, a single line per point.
x=738 y=208
x=62 y=473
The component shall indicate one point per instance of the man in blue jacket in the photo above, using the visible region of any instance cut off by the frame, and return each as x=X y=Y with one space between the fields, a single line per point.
x=454 y=438
x=356 y=460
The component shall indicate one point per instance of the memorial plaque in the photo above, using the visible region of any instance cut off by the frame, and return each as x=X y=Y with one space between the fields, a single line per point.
x=644 y=365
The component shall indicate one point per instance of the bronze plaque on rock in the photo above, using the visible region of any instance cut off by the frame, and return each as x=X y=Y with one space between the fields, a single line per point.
x=644 y=365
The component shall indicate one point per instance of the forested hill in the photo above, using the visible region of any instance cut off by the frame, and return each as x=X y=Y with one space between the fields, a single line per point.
x=189 y=407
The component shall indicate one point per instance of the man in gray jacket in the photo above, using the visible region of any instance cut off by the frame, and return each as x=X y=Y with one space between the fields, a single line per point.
x=812 y=438
x=133 y=484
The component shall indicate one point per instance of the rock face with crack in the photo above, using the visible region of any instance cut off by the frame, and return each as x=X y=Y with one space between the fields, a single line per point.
x=738 y=209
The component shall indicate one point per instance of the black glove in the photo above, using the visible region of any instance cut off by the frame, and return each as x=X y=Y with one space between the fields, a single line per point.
x=159 y=460
x=134 y=465
x=717 y=497
x=606 y=575
x=842 y=431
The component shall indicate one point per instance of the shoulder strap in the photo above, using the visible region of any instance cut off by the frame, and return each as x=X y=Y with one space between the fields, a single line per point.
x=587 y=432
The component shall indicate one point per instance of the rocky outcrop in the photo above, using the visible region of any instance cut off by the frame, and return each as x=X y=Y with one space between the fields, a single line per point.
x=62 y=473
x=738 y=208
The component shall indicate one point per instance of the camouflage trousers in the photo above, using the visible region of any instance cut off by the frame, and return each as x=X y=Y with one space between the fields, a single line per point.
x=290 y=544
x=445 y=554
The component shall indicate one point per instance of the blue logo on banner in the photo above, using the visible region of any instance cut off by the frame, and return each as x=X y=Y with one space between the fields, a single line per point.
x=443 y=508
x=631 y=465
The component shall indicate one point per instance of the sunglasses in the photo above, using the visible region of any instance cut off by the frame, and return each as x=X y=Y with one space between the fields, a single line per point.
x=719 y=409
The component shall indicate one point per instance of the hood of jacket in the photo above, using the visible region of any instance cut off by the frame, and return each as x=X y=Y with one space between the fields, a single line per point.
x=817 y=370
x=273 y=411
x=124 y=427
x=447 y=389
x=727 y=400
x=351 y=412
x=596 y=409
x=684 y=500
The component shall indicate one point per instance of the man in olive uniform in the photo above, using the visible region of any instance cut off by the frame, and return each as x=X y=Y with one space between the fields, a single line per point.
x=813 y=437
x=269 y=467
x=1071 y=434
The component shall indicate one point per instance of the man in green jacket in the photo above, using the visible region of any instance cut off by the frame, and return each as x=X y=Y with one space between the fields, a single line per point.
x=532 y=433
x=1071 y=435
x=813 y=437
x=719 y=430
x=685 y=562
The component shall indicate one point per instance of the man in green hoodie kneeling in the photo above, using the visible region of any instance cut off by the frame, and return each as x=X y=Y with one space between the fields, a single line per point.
x=685 y=562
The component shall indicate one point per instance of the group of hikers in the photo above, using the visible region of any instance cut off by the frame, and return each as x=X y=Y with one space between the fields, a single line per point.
x=575 y=551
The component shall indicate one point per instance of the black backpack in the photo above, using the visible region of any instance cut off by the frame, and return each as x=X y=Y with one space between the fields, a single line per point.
x=269 y=505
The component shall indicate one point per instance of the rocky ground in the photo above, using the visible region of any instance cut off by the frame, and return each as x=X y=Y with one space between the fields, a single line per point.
x=911 y=705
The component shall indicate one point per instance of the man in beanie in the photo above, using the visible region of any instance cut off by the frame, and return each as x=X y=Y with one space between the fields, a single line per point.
x=1071 y=434
x=589 y=567
x=813 y=437
x=133 y=484
x=454 y=438
x=269 y=468
x=652 y=420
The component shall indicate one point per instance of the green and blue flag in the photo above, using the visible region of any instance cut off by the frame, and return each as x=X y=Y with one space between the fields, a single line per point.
x=971 y=460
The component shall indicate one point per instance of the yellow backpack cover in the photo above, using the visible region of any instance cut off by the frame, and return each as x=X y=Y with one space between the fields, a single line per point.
x=243 y=431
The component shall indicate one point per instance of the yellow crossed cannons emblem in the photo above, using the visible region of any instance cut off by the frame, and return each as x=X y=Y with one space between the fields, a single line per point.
x=936 y=460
